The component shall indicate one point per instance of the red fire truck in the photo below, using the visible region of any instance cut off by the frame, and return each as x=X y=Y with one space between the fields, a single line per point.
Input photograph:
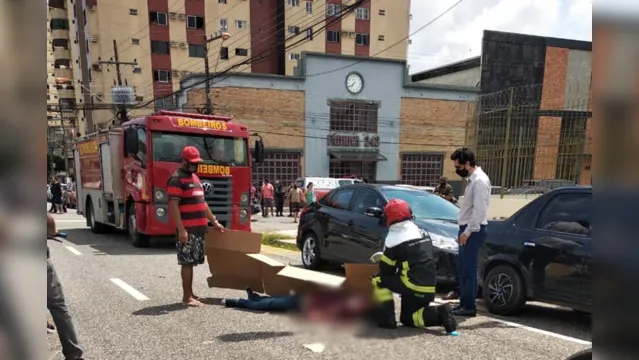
x=122 y=172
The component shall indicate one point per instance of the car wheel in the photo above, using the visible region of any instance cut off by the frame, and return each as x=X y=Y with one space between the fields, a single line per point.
x=310 y=252
x=138 y=239
x=504 y=291
x=96 y=227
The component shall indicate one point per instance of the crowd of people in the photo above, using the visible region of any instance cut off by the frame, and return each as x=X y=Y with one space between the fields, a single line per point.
x=270 y=198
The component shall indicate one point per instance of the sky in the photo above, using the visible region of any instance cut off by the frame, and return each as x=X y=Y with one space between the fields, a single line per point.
x=457 y=35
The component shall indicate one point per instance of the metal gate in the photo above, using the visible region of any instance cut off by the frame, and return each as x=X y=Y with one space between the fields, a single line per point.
x=422 y=169
x=283 y=166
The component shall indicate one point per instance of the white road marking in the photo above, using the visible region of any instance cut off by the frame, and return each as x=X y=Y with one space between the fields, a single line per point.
x=129 y=289
x=70 y=221
x=73 y=250
x=533 y=329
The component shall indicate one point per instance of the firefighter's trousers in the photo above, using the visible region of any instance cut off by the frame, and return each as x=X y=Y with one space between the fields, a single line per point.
x=415 y=307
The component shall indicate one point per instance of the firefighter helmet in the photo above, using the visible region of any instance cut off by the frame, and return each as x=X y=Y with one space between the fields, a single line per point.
x=397 y=211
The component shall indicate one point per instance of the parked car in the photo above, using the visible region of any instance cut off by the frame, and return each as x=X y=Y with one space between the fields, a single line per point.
x=543 y=252
x=430 y=189
x=347 y=226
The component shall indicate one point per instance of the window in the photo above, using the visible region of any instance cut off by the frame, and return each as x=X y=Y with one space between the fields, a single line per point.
x=332 y=36
x=294 y=2
x=382 y=12
x=135 y=41
x=241 y=24
x=133 y=11
x=197 y=51
x=161 y=75
x=62 y=43
x=309 y=7
x=362 y=14
x=365 y=199
x=342 y=199
x=380 y=38
x=421 y=169
x=224 y=25
x=293 y=56
x=224 y=53
x=355 y=116
x=338 y=168
x=283 y=166
x=137 y=70
x=309 y=34
x=158 y=18
x=293 y=29
x=241 y=52
x=567 y=213
x=220 y=150
x=165 y=103
x=59 y=24
x=160 y=47
x=221 y=1
x=194 y=22
x=141 y=155
x=425 y=205
x=333 y=9
x=362 y=39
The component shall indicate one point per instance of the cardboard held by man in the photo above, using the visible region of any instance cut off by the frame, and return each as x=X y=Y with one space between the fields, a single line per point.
x=235 y=262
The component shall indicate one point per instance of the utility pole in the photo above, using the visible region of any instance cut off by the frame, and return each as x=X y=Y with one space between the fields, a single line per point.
x=208 y=107
x=65 y=153
x=122 y=108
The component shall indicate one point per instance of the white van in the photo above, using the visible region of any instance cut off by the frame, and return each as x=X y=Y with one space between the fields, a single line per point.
x=321 y=185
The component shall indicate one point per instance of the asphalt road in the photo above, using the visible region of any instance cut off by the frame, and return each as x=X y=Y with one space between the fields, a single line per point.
x=147 y=322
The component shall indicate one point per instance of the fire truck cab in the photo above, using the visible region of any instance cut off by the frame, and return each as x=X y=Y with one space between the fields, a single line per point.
x=122 y=172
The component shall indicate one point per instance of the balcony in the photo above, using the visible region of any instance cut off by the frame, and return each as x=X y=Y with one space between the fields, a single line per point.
x=61 y=53
x=63 y=73
x=60 y=34
x=56 y=13
x=66 y=92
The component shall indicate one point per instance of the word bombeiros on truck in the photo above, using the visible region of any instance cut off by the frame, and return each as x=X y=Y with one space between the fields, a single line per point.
x=122 y=172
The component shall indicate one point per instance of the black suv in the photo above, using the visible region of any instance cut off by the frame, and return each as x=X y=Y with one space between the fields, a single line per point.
x=543 y=252
x=347 y=226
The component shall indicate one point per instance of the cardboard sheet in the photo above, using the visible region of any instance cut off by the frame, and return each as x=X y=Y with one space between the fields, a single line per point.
x=358 y=277
x=229 y=266
x=268 y=268
x=302 y=280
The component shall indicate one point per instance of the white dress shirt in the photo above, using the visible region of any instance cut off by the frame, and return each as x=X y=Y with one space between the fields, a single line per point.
x=474 y=209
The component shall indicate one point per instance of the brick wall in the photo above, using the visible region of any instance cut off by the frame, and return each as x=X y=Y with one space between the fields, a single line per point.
x=547 y=147
x=437 y=126
x=278 y=115
x=554 y=88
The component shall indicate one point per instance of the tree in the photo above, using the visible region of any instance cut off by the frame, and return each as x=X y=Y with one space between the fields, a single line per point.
x=57 y=161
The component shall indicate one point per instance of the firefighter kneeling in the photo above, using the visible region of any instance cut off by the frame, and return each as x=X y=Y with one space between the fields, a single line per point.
x=407 y=267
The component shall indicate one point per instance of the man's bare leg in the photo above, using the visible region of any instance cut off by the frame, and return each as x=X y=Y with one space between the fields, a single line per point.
x=187 y=287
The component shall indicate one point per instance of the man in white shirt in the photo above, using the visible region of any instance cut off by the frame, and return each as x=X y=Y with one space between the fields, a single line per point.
x=473 y=218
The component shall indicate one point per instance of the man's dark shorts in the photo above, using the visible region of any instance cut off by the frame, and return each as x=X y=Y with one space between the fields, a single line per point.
x=191 y=253
x=269 y=202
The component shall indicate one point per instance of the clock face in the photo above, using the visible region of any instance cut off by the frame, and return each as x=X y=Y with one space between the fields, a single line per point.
x=354 y=83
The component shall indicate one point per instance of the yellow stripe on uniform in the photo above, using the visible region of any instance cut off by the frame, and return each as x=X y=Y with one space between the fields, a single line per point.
x=418 y=318
x=410 y=285
x=385 y=259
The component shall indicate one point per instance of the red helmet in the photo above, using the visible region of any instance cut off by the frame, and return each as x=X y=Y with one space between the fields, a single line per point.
x=396 y=211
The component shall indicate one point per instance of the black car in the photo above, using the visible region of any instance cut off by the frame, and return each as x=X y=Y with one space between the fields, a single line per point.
x=543 y=252
x=347 y=226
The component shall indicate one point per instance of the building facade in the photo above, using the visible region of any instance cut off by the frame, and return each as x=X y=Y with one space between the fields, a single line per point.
x=63 y=91
x=167 y=40
x=344 y=116
x=541 y=130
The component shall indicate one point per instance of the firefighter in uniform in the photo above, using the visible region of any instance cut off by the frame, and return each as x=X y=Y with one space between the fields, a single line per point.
x=407 y=267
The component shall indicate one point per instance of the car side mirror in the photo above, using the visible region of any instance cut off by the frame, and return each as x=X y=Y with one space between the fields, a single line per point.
x=259 y=151
x=131 y=141
x=374 y=212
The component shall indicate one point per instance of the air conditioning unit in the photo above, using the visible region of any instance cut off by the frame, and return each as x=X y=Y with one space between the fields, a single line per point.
x=184 y=44
x=173 y=15
x=175 y=73
x=91 y=7
x=182 y=16
x=94 y=38
x=96 y=67
x=184 y=73
x=351 y=34
x=174 y=44
x=344 y=33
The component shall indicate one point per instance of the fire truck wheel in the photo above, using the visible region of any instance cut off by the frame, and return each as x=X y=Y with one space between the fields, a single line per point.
x=138 y=239
x=96 y=227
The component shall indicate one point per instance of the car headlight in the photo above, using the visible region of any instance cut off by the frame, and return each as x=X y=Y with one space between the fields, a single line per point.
x=159 y=195
x=243 y=214
x=444 y=242
x=244 y=198
x=160 y=212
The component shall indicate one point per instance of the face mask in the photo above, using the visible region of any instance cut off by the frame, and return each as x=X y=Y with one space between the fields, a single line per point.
x=461 y=172
x=191 y=167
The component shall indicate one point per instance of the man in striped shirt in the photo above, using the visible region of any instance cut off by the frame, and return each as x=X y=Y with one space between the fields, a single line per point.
x=191 y=215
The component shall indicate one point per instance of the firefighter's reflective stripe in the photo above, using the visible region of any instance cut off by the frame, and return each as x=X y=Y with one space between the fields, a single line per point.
x=381 y=295
x=418 y=318
x=388 y=260
x=410 y=285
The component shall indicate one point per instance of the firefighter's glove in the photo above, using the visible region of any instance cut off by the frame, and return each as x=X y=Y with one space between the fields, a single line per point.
x=376 y=257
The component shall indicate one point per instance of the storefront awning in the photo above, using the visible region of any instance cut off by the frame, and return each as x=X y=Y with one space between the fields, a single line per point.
x=357 y=155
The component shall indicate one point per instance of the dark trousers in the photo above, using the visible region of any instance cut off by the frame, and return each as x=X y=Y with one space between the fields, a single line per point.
x=60 y=313
x=265 y=303
x=467 y=268
x=415 y=307
x=279 y=207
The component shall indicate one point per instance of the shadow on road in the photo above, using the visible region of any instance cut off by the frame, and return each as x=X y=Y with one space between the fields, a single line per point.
x=118 y=243
x=256 y=335
x=160 y=309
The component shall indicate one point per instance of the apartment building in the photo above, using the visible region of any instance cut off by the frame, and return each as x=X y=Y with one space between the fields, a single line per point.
x=62 y=89
x=167 y=38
